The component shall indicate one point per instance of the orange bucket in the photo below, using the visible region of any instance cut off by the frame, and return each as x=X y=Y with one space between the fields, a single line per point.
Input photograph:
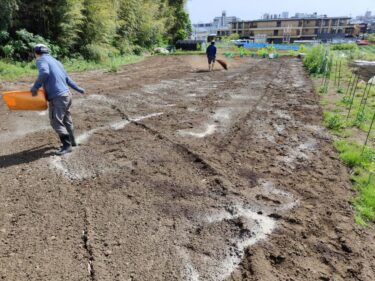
x=23 y=100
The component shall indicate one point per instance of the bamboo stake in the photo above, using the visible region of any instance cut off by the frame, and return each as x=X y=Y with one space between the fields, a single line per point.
x=339 y=80
x=368 y=134
x=360 y=110
x=364 y=93
x=336 y=69
x=368 y=93
x=354 y=85
x=352 y=99
x=350 y=83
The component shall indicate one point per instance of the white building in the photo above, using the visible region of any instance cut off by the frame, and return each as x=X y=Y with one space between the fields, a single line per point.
x=224 y=21
x=202 y=30
x=220 y=26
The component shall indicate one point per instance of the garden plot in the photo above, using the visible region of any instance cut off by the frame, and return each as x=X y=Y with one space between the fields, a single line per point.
x=181 y=174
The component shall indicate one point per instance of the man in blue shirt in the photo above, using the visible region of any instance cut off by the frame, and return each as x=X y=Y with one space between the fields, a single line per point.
x=211 y=55
x=55 y=81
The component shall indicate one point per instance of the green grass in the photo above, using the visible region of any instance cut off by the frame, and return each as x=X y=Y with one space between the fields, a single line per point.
x=13 y=70
x=363 y=177
x=111 y=64
x=350 y=153
x=10 y=70
x=363 y=53
x=355 y=128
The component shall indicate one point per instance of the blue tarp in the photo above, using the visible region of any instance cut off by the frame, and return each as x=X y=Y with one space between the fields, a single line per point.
x=265 y=45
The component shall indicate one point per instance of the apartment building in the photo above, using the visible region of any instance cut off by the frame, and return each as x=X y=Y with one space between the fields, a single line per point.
x=292 y=29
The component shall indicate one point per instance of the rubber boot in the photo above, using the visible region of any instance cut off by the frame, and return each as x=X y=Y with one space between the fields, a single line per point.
x=66 y=145
x=72 y=138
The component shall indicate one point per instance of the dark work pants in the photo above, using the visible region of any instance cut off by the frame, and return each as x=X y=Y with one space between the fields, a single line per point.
x=59 y=114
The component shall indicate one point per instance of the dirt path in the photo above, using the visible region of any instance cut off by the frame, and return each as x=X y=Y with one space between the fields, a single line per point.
x=181 y=174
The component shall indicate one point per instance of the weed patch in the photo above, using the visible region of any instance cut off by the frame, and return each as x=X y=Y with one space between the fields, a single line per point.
x=362 y=163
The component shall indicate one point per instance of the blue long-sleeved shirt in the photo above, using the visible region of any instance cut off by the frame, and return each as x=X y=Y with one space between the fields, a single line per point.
x=211 y=51
x=53 y=77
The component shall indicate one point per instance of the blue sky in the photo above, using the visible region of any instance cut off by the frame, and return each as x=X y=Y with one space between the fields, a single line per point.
x=206 y=10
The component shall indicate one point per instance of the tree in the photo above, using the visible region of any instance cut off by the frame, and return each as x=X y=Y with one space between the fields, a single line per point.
x=99 y=24
x=95 y=28
x=181 y=26
x=7 y=10
x=70 y=25
x=37 y=16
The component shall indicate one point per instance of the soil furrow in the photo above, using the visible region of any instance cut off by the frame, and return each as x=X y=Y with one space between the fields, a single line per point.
x=183 y=175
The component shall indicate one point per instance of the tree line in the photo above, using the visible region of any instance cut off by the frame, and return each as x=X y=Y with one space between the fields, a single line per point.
x=92 y=28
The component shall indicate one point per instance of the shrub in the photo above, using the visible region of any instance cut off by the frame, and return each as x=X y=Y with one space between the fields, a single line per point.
x=137 y=50
x=124 y=47
x=97 y=53
x=344 y=46
x=8 y=51
x=346 y=100
x=334 y=121
x=316 y=59
x=361 y=117
x=4 y=37
x=20 y=47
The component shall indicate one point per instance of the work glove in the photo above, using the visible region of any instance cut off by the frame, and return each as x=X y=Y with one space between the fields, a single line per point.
x=34 y=92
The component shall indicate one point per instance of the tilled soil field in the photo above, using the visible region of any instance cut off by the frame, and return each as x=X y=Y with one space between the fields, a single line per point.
x=181 y=174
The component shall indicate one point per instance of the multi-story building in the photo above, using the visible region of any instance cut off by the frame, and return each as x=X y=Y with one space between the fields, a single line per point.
x=224 y=20
x=292 y=29
x=220 y=26
x=202 y=30
x=223 y=24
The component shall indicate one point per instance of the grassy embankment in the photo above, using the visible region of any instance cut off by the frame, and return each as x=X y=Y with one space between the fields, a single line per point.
x=349 y=109
x=10 y=70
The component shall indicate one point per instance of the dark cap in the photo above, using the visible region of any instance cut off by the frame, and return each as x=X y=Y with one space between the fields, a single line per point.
x=41 y=49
